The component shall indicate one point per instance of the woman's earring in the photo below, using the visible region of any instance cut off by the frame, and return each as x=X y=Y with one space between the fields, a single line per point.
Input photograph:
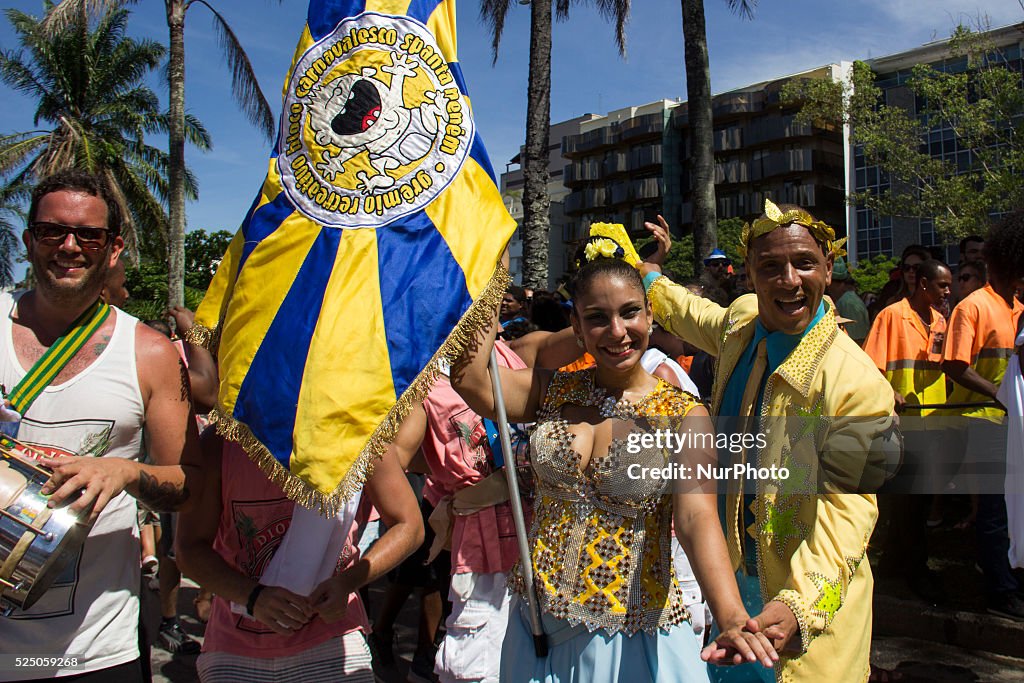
x=579 y=342
x=650 y=330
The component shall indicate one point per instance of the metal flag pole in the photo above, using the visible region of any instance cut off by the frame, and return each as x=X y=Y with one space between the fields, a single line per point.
x=933 y=406
x=540 y=640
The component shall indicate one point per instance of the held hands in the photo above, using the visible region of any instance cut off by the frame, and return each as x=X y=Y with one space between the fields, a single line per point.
x=777 y=622
x=97 y=480
x=281 y=610
x=738 y=644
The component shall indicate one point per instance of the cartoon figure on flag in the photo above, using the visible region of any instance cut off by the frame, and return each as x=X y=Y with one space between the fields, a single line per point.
x=368 y=256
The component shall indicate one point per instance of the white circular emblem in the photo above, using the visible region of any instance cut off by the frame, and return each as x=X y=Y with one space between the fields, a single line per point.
x=375 y=126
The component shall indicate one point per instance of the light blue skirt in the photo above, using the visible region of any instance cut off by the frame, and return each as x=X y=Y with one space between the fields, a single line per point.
x=577 y=655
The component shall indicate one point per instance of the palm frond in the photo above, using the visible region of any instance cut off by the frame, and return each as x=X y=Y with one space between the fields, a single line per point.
x=67 y=12
x=15 y=149
x=244 y=85
x=744 y=8
x=493 y=13
x=616 y=11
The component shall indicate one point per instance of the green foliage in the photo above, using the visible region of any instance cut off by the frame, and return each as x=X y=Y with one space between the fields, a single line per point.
x=980 y=100
x=93 y=113
x=147 y=283
x=871 y=275
x=203 y=253
x=679 y=261
x=11 y=224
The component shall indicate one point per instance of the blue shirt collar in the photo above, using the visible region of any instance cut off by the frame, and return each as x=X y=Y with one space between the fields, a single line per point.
x=779 y=344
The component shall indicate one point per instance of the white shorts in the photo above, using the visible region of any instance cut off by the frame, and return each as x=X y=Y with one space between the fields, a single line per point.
x=471 y=650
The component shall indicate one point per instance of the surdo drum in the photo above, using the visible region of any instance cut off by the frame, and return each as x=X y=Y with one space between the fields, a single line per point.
x=35 y=541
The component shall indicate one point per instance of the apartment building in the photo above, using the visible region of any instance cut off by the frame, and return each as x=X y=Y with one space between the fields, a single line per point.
x=889 y=235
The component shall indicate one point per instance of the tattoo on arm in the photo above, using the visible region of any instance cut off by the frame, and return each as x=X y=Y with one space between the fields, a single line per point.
x=158 y=497
x=101 y=346
x=186 y=384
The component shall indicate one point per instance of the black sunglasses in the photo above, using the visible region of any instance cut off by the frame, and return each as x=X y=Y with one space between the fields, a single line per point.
x=54 y=234
x=965 y=277
x=910 y=267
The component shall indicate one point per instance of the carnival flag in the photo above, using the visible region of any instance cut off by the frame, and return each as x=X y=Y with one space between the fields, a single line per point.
x=368 y=256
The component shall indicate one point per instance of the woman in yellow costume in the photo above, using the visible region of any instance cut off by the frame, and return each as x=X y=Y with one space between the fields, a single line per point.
x=600 y=538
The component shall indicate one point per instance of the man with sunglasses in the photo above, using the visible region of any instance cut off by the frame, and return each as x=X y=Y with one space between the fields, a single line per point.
x=88 y=379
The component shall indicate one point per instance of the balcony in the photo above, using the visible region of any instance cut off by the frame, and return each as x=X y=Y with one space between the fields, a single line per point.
x=620 y=192
x=575 y=145
x=737 y=103
x=645 y=157
x=579 y=172
x=615 y=162
x=642 y=126
x=646 y=188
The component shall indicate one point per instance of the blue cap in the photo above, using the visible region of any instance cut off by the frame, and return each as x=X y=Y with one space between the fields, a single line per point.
x=715 y=255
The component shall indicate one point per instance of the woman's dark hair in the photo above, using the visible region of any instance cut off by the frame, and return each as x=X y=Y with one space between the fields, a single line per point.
x=1004 y=247
x=584 y=278
x=547 y=312
x=517 y=329
x=160 y=326
x=915 y=250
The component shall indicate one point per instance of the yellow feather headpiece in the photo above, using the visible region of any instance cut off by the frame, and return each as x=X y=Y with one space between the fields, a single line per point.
x=774 y=218
x=616 y=234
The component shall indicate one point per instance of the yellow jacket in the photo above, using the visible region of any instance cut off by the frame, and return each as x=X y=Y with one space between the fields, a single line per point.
x=826 y=416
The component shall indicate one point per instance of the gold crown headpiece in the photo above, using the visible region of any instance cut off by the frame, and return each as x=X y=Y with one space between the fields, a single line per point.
x=774 y=218
x=609 y=240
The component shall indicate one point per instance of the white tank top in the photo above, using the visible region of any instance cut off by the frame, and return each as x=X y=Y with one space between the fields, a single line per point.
x=92 y=609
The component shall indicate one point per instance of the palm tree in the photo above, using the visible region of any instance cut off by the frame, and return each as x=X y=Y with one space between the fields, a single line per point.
x=10 y=220
x=244 y=87
x=536 y=204
x=698 y=96
x=93 y=114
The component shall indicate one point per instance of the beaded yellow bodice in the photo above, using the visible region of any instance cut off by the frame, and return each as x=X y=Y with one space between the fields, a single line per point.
x=600 y=539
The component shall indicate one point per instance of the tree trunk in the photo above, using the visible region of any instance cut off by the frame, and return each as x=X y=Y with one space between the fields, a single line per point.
x=536 y=203
x=176 y=184
x=702 y=158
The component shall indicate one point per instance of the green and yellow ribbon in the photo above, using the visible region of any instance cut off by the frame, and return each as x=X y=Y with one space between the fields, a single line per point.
x=57 y=356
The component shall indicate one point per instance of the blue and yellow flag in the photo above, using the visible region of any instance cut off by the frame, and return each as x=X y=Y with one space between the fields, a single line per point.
x=368 y=256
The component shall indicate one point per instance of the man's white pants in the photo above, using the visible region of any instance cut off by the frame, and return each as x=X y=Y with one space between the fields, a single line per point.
x=471 y=650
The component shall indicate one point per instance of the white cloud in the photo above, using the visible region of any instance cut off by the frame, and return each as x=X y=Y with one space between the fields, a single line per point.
x=942 y=15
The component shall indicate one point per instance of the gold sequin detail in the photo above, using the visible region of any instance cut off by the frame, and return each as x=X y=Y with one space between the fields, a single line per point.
x=600 y=540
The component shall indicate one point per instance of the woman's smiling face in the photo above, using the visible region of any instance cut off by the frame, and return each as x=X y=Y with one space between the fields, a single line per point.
x=613 y=320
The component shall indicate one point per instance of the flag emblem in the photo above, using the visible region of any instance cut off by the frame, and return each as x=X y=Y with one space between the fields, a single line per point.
x=376 y=125
x=367 y=260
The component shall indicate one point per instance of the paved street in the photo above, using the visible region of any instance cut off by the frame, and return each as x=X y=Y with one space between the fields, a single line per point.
x=920 y=661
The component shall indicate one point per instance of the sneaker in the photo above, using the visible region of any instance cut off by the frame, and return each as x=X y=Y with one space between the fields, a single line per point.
x=1008 y=605
x=149 y=563
x=174 y=639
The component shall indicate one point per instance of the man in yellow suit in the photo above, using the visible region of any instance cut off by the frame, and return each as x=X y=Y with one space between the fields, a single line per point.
x=821 y=412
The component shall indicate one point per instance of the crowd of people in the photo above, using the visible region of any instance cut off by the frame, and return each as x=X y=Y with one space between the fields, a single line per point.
x=639 y=577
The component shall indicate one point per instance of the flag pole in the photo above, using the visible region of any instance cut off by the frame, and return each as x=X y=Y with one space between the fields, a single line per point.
x=540 y=641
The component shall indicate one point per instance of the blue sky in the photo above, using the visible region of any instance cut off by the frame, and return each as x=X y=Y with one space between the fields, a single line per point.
x=785 y=36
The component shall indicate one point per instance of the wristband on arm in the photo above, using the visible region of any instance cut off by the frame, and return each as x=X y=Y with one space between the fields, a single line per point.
x=649 y=279
x=250 y=604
